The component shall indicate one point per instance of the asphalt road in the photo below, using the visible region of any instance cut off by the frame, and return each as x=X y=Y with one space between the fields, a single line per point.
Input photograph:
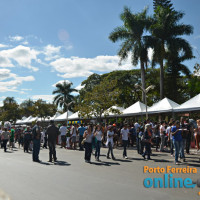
x=72 y=178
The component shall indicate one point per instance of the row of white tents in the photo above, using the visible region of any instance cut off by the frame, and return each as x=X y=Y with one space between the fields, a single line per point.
x=163 y=106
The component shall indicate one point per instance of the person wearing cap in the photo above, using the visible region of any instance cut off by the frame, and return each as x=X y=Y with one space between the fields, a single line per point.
x=36 y=141
x=52 y=133
x=124 y=137
x=109 y=143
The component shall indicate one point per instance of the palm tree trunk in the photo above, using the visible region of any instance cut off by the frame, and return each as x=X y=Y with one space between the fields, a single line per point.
x=142 y=79
x=161 y=80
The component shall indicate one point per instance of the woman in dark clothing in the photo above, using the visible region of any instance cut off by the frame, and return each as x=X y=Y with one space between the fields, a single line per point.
x=147 y=141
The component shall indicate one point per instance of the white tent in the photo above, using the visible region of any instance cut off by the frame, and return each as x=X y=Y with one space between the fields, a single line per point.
x=164 y=105
x=26 y=120
x=137 y=108
x=63 y=117
x=191 y=105
x=110 y=114
x=32 y=119
x=20 y=121
x=74 y=116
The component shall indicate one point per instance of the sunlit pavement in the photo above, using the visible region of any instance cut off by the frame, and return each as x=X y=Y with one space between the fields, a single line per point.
x=72 y=178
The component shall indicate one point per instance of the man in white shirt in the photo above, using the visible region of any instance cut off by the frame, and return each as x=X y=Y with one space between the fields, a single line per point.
x=137 y=126
x=124 y=136
x=63 y=131
x=162 y=135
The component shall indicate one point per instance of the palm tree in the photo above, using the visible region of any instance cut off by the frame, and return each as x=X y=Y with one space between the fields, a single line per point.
x=63 y=91
x=9 y=100
x=176 y=54
x=165 y=30
x=132 y=34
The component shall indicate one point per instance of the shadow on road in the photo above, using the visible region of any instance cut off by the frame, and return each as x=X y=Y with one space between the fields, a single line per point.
x=121 y=160
x=108 y=164
x=59 y=163
x=62 y=163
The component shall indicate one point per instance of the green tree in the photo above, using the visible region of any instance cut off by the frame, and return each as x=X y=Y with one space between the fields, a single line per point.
x=102 y=97
x=132 y=34
x=43 y=109
x=10 y=110
x=165 y=30
x=63 y=92
x=27 y=108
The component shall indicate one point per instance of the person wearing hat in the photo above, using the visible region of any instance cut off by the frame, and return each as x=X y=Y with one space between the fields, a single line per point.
x=109 y=143
x=52 y=134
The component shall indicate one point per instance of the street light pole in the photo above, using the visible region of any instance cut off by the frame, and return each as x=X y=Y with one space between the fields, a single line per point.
x=145 y=94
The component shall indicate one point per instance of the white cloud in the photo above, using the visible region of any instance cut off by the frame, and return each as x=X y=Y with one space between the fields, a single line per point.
x=12 y=85
x=16 y=38
x=3 y=46
x=51 y=52
x=61 y=81
x=25 y=42
x=48 y=98
x=83 y=67
x=79 y=87
x=4 y=74
x=21 y=54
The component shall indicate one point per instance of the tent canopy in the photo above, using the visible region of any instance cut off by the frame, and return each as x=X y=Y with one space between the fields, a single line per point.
x=190 y=105
x=137 y=108
x=164 y=105
x=63 y=117
x=74 y=116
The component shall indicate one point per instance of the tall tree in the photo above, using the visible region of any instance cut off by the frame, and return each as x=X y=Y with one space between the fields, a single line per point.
x=165 y=29
x=63 y=91
x=131 y=33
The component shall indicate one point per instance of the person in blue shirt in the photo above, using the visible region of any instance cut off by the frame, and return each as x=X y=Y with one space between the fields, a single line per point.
x=81 y=131
x=177 y=140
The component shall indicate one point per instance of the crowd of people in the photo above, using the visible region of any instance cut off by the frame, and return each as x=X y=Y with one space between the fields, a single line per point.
x=174 y=137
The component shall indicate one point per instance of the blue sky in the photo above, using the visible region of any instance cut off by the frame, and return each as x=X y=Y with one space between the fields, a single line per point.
x=43 y=42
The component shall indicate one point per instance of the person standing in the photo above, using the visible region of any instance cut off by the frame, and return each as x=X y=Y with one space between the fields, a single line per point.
x=99 y=137
x=5 y=137
x=36 y=141
x=147 y=141
x=109 y=143
x=52 y=134
x=177 y=140
x=162 y=136
x=88 y=135
x=63 y=131
x=68 y=138
x=73 y=136
x=12 y=135
x=27 y=139
x=125 y=136
x=81 y=131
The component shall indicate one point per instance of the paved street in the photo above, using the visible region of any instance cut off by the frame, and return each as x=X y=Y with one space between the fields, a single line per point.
x=72 y=178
